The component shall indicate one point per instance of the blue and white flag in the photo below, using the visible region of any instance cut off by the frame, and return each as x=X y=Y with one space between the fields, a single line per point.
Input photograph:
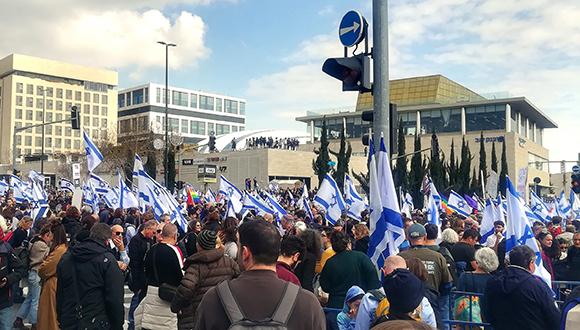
x=209 y=196
x=35 y=176
x=354 y=201
x=39 y=206
x=232 y=193
x=563 y=206
x=126 y=197
x=304 y=202
x=539 y=208
x=94 y=156
x=408 y=205
x=90 y=196
x=519 y=231
x=330 y=199
x=491 y=214
x=21 y=191
x=253 y=203
x=386 y=225
x=575 y=205
x=458 y=204
x=66 y=185
x=433 y=216
x=279 y=211
x=4 y=187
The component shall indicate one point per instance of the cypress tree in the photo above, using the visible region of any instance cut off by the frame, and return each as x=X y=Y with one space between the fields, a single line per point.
x=504 y=171
x=400 y=170
x=452 y=167
x=320 y=165
x=343 y=158
x=482 y=162
x=493 y=158
x=436 y=165
x=416 y=174
x=464 y=168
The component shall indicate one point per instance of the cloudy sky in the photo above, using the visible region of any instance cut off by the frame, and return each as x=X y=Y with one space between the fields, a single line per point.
x=271 y=51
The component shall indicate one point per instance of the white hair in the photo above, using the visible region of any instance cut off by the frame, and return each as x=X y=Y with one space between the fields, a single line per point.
x=486 y=259
x=450 y=236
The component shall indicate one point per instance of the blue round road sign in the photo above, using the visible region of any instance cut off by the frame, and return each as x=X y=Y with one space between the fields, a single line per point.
x=576 y=169
x=352 y=28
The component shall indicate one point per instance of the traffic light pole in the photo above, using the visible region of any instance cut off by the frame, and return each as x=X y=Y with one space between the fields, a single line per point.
x=20 y=129
x=380 y=53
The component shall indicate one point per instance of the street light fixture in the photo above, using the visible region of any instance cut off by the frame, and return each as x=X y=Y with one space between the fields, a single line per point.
x=166 y=157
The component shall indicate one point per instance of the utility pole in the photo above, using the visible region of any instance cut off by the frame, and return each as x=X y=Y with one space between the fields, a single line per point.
x=380 y=53
x=43 y=121
x=166 y=157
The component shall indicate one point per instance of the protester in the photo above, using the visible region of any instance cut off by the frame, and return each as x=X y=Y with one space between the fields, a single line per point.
x=203 y=271
x=189 y=241
x=516 y=299
x=229 y=237
x=11 y=271
x=463 y=252
x=572 y=261
x=71 y=222
x=430 y=308
x=448 y=238
x=259 y=244
x=494 y=240
x=21 y=233
x=346 y=318
x=292 y=250
x=47 y=318
x=137 y=283
x=163 y=269
x=118 y=247
x=361 y=236
x=546 y=240
x=89 y=290
x=432 y=232
x=305 y=270
x=327 y=246
x=39 y=249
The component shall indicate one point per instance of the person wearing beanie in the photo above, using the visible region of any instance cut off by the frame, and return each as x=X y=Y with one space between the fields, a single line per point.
x=346 y=318
x=203 y=270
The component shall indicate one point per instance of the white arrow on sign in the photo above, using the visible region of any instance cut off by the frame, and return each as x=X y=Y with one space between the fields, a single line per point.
x=346 y=30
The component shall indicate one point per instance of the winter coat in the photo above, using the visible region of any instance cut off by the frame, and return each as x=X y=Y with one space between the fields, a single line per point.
x=47 y=319
x=305 y=271
x=203 y=270
x=12 y=269
x=516 y=299
x=99 y=287
x=153 y=313
x=138 y=248
x=72 y=226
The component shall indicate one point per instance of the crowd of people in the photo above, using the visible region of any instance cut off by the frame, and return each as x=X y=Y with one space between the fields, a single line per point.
x=296 y=272
x=272 y=143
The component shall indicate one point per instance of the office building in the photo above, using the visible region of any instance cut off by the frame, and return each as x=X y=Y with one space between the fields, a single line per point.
x=193 y=115
x=31 y=86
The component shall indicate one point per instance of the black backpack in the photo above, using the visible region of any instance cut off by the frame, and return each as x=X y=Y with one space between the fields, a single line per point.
x=23 y=253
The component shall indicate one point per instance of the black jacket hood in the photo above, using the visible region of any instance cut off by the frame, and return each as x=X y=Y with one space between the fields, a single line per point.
x=513 y=278
x=88 y=249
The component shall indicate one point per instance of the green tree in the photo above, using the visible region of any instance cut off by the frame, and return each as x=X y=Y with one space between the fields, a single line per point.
x=436 y=167
x=504 y=171
x=493 y=158
x=452 y=167
x=400 y=171
x=363 y=180
x=151 y=166
x=464 y=168
x=320 y=165
x=343 y=158
x=482 y=163
x=417 y=173
x=474 y=185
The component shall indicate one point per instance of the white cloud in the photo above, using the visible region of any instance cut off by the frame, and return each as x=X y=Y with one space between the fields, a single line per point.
x=118 y=35
x=327 y=11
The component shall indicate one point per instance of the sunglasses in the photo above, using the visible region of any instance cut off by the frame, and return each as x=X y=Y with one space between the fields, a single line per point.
x=158 y=231
x=119 y=233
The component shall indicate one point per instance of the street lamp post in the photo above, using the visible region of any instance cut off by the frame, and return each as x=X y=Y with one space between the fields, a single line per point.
x=166 y=157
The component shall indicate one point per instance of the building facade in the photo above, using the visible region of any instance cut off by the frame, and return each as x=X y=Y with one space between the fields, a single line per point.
x=192 y=114
x=437 y=104
x=34 y=89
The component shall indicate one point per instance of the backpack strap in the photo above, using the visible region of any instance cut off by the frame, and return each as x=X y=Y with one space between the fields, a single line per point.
x=286 y=304
x=229 y=302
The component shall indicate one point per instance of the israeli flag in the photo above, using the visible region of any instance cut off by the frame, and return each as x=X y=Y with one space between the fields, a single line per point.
x=279 y=211
x=209 y=196
x=35 y=176
x=519 y=231
x=433 y=213
x=356 y=204
x=232 y=193
x=94 y=156
x=252 y=203
x=39 y=206
x=21 y=191
x=100 y=186
x=491 y=214
x=408 y=205
x=436 y=196
x=563 y=206
x=386 y=225
x=90 y=196
x=66 y=185
x=4 y=187
x=458 y=204
x=126 y=197
x=575 y=204
x=539 y=208
x=330 y=199
x=303 y=202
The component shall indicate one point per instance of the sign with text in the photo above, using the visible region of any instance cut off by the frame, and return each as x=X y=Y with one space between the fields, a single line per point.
x=207 y=173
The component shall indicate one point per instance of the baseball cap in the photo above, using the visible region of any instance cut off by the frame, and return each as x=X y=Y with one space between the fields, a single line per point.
x=417 y=230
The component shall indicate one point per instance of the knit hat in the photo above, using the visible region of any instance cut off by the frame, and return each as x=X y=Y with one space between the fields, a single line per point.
x=403 y=290
x=206 y=239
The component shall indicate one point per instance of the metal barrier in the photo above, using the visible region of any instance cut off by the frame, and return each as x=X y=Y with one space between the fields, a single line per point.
x=562 y=289
x=464 y=324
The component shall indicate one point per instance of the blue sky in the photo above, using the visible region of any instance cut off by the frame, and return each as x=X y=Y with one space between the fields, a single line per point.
x=271 y=51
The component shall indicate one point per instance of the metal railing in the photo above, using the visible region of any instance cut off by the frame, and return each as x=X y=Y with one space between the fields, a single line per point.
x=469 y=323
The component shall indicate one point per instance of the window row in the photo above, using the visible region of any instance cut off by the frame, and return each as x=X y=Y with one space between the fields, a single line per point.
x=196 y=101
x=63 y=93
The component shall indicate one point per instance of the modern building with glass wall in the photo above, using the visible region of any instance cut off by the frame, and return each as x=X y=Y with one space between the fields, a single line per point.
x=437 y=104
x=192 y=114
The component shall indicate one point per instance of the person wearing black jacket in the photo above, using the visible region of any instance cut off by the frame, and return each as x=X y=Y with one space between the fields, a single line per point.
x=89 y=292
x=305 y=269
x=138 y=247
x=516 y=299
x=11 y=271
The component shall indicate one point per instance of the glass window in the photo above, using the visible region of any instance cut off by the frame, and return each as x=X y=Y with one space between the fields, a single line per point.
x=179 y=98
x=96 y=98
x=173 y=125
x=184 y=126
x=121 y=100
x=48 y=142
x=49 y=104
x=104 y=99
x=49 y=91
x=440 y=120
x=67 y=143
x=78 y=95
x=206 y=102
x=38 y=141
x=58 y=105
x=18 y=113
x=58 y=116
x=158 y=95
x=234 y=128
x=197 y=127
x=210 y=128
x=59 y=93
x=193 y=101
x=58 y=131
x=104 y=122
x=29 y=89
x=19 y=100
x=29 y=102
x=76 y=133
x=38 y=115
x=530 y=131
x=522 y=130
x=539 y=136
x=87 y=109
x=39 y=90
x=18 y=139
x=218 y=104
x=57 y=142
x=222 y=129
x=48 y=129
x=242 y=108
x=137 y=96
x=67 y=131
x=96 y=122
x=484 y=118
x=128 y=98
x=68 y=105
x=38 y=130
x=409 y=120
x=19 y=87
x=39 y=103
x=68 y=94
x=146 y=95
x=77 y=144
x=87 y=97
x=28 y=141
x=95 y=110
x=231 y=106
x=29 y=114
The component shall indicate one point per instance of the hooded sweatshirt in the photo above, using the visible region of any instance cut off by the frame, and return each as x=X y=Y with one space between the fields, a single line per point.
x=516 y=299
x=99 y=287
x=343 y=320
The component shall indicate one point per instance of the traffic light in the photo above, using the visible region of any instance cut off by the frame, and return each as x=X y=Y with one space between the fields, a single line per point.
x=576 y=183
x=75 y=117
x=354 y=72
x=211 y=143
x=368 y=116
